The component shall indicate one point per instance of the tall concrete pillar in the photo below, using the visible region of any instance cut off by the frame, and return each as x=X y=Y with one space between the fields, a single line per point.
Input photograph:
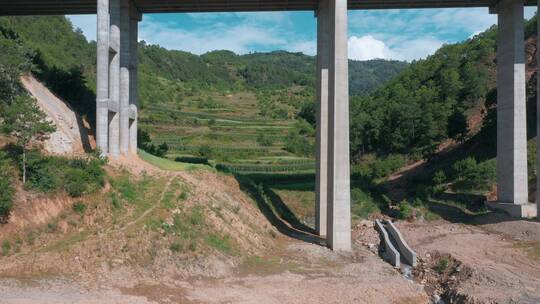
x=125 y=62
x=339 y=201
x=102 y=90
x=114 y=78
x=538 y=120
x=511 y=115
x=321 y=179
x=134 y=80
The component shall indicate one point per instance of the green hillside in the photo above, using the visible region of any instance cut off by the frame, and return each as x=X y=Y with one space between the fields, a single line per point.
x=254 y=113
x=220 y=105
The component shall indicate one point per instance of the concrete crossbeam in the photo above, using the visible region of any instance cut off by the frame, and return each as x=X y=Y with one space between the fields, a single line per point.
x=60 y=7
x=511 y=109
x=338 y=186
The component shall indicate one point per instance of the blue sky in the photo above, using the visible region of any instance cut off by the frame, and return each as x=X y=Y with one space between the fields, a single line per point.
x=388 y=34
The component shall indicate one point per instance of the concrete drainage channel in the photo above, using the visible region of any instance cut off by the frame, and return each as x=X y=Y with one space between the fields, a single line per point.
x=395 y=249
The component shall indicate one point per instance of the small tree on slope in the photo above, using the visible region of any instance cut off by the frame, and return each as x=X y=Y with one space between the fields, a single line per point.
x=27 y=123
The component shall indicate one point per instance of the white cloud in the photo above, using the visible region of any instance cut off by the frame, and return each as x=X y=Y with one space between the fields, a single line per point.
x=388 y=34
x=306 y=47
x=238 y=38
x=367 y=47
x=87 y=23
x=417 y=48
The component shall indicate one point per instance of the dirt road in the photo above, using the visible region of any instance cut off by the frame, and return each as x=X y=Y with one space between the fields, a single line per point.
x=300 y=273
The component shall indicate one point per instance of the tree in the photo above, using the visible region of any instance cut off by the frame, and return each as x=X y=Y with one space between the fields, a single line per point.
x=27 y=123
x=457 y=127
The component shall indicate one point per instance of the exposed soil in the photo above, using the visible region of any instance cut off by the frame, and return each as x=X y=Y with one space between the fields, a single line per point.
x=478 y=264
x=72 y=132
x=297 y=273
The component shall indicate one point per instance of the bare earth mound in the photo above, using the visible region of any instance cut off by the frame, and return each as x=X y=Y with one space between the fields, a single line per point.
x=185 y=237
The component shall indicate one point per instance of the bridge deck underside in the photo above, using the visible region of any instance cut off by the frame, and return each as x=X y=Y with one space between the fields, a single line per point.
x=59 y=7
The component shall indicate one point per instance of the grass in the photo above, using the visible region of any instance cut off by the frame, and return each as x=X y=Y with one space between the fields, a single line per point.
x=532 y=249
x=66 y=242
x=442 y=265
x=6 y=247
x=222 y=244
x=167 y=164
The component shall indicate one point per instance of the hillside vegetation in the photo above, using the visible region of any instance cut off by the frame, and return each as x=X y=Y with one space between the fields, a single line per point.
x=255 y=113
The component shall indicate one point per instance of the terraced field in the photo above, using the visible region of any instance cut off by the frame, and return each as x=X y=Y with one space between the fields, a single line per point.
x=233 y=130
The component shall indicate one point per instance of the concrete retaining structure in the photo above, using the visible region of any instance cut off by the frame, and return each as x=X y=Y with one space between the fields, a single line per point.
x=390 y=251
x=405 y=251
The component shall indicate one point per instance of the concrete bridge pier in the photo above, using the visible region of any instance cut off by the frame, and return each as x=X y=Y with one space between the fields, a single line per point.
x=135 y=17
x=538 y=120
x=116 y=109
x=321 y=176
x=333 y=178
x=512 y=180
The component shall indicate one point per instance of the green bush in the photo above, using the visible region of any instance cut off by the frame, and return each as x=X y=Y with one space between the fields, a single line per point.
x=222 y=244
x=405 y=210
x=75 y=176
x=363 y=204
x=192 y=160
x=474 y=176
x=6 y=247
x=388 y=165
x=205 y=151
x=442 y=265
x=6 y=186
x=439 y=178
x=298 y=144
x=79 y=207
x=264 y=140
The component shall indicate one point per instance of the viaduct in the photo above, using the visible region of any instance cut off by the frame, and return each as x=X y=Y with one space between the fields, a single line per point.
x=117 y=105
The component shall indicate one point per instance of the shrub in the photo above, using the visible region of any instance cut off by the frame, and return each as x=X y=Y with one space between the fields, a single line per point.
x=405 y=210
x=75 y=184
x=79 y=207
x=53 y=173
x=6 y=247
x=473 y=176
x=197 y=217
x=183 y=196
x=264 y=140
x=7 y=190
x=192 y=160
x=439 y=178
x=442 y=265
x=363 y=203
x=388 y=165
x=438 y=181
x=176 y=246
x=205 y=151
x=222 y=244
x=298 y=144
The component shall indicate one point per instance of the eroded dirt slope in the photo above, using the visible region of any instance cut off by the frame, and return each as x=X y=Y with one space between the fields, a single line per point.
x=72 y=133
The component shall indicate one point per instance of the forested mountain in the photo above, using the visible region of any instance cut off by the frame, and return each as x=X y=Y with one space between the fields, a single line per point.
x=435 y=99
x=61 y=54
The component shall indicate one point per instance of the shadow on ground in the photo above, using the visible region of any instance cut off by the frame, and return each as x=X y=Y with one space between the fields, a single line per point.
x=277 y=212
